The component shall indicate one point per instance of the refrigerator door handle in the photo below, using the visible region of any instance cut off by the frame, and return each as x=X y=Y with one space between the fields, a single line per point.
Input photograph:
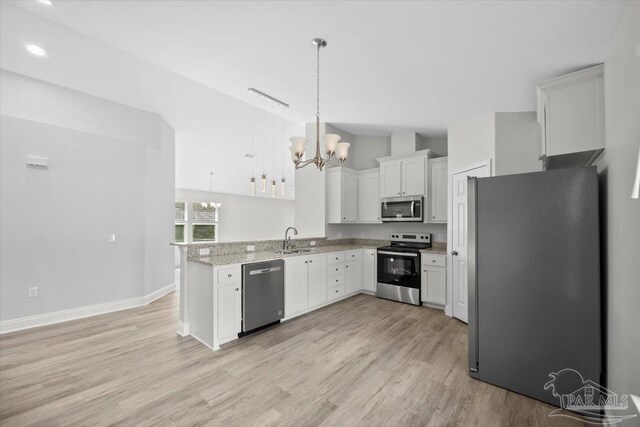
x=472 y=280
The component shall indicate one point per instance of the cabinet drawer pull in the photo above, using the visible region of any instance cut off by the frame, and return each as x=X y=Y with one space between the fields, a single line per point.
x=237 y=289
x=229 y=275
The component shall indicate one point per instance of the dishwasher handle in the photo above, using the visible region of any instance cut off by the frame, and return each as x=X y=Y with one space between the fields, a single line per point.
x=264 y=270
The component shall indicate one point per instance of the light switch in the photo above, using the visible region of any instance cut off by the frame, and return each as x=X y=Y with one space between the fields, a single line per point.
x=204 y=251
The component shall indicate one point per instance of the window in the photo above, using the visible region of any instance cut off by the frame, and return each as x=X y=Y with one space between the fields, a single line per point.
x=180 y=221
x=204 y=221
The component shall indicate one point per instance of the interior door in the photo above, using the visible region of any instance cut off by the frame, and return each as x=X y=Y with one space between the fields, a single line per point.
x=459 y=239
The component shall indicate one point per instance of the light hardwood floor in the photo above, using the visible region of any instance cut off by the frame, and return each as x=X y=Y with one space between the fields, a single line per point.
x=362 y=361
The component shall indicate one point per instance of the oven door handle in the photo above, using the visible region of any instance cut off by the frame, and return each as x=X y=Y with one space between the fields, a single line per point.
x=398 y=253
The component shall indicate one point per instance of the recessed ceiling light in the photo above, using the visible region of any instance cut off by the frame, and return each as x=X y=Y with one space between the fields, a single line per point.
x=47 y=2
x=36 y=50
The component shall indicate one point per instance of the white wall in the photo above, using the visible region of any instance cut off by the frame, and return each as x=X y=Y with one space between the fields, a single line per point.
x=245 y=217
x=518 y=143
x=438 y=144
x=110 y=171
x=368 y=149
x=620 y=214
x=383 y=231
x=213 y=130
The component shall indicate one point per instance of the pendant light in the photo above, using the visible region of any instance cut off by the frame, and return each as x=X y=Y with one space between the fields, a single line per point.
x=283 y=183
x=273 y=134
x=252 y=180
x=332 y=142
x=263 y=178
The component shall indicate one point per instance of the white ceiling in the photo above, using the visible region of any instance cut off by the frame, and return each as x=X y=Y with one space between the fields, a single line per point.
x=388 y=65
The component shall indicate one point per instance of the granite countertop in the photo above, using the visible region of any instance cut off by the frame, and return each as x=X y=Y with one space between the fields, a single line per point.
x=249 y=257
x=437 y=250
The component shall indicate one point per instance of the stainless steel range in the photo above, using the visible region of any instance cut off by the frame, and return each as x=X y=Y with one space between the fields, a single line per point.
x=399 y=267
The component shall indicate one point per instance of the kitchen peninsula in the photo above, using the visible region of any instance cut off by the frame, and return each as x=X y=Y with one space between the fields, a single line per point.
x=318 y=272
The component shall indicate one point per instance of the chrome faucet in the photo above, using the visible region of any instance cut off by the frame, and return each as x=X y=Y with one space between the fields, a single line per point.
x=287 y=240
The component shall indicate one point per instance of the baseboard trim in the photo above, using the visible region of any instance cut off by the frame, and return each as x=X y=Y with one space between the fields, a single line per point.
x=29 y=322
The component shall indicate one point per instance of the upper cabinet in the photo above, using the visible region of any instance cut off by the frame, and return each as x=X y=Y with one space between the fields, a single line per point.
x=404 y=175
x=342 y=200
x=369 y=196
x=391 y=178
x=437 y=190
x=571 y=112
x=413 y=174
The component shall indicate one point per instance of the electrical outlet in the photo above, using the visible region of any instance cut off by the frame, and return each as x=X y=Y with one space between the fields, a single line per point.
x=251 y=248
x=440 y=237
x=204 y=251
x=33 y=292
x=312 y=243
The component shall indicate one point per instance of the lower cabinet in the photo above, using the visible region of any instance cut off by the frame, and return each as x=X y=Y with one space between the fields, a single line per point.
x=434 y=279
x=352 y=277
x=296 y=285
x=369 y=271
x=229 y=312
x=316 y=280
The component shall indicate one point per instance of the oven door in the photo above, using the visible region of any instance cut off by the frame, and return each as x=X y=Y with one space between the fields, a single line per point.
x=399 y=268
x=399 y=209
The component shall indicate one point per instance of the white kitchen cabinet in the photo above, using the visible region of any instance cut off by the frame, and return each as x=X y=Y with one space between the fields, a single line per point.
x=316 y=280
x=296 y=286
x=438 y=190
x=369 y=270
x=434 y=279
x=391 y=178
x=342 y=195
x=571 y=112
x=413 y=176
x=352 y=277
x=369 y=196
x=404 y=175
x=304 y=284
x=229 y=312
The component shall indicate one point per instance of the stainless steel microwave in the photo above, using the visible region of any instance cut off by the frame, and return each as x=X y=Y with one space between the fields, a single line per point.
x=402 y=209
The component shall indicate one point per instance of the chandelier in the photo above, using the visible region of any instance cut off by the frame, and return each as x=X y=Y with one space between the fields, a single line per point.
x=336 y=151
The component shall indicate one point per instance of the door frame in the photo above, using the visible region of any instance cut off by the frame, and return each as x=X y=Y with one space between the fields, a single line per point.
x=448 y=308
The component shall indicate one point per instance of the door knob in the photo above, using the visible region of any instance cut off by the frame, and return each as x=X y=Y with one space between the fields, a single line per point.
x=454 y=252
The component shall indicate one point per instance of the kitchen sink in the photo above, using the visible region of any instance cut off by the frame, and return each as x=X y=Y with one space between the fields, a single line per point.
x=295 y=251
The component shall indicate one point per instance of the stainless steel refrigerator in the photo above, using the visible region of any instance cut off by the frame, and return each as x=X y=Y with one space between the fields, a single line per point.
x=534 y=278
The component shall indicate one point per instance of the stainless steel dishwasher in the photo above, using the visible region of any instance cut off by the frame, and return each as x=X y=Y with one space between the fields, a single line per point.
x=262 y=295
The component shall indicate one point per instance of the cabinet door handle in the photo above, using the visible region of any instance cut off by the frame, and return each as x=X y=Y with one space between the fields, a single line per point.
x=311 y=261
x=346 y=266
x=306 y=262
x=433 y=260
x=228 y=275
x=237 y=289
x=454 y=252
